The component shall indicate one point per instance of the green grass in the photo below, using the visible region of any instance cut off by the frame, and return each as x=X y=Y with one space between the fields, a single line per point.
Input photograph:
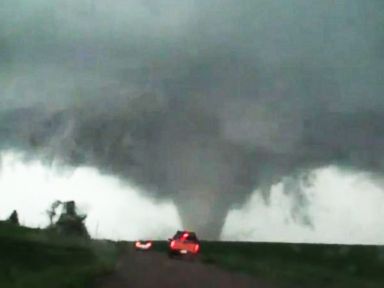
x=36 y=258
x=307 y=265
x=299 y=265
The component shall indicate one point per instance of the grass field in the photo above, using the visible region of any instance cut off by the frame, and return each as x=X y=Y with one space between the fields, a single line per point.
x=34 y=258
x=299 y=265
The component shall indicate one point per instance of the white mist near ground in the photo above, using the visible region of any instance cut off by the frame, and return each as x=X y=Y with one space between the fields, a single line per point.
x=115 y=210
x=344 y=207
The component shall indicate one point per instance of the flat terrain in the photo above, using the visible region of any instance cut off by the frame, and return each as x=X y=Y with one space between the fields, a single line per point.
x=154 y=269
x=301 y=265
x=242 y=264
x=33 y=258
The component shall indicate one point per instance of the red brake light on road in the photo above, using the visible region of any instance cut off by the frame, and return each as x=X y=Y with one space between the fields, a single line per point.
x=185 y=236
x=173 y=244
x=196 y=248
x=143 y=246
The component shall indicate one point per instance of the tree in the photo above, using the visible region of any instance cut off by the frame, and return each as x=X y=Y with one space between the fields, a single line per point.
x=52 y=211
x=69 y=222
x=14 y=218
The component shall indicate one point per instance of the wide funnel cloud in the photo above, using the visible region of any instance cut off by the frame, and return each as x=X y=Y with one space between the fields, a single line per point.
x=196 y=101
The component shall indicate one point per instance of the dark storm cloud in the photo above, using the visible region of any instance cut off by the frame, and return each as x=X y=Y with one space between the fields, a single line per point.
x=197 y=101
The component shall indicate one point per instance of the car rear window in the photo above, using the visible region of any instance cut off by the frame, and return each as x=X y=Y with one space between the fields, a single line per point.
x=178 y=234
x=191 y=235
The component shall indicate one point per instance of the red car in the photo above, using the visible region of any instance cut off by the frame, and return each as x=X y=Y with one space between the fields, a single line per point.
x=184 y=242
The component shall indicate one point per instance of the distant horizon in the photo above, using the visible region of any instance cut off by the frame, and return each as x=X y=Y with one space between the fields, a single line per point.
x=30 y=188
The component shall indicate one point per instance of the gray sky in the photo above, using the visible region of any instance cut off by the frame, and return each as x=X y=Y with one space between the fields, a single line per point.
x=196 y=102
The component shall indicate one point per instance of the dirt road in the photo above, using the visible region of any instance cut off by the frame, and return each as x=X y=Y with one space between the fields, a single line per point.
x=154 y=269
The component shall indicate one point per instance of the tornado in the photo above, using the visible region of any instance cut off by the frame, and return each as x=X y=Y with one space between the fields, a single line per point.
x=201 y=103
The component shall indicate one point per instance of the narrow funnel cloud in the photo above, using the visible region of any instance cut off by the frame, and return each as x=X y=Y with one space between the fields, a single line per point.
x=201 y=102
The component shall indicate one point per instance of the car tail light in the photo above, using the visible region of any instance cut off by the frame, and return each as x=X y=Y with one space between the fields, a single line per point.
x=145 y=245
x=173 y=242
x=196 y=248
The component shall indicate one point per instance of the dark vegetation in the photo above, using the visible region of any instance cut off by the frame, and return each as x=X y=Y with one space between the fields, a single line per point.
x=299 y=265
x=64 y=256
x=14 y=218
x=55 y=257
x=70 y=222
